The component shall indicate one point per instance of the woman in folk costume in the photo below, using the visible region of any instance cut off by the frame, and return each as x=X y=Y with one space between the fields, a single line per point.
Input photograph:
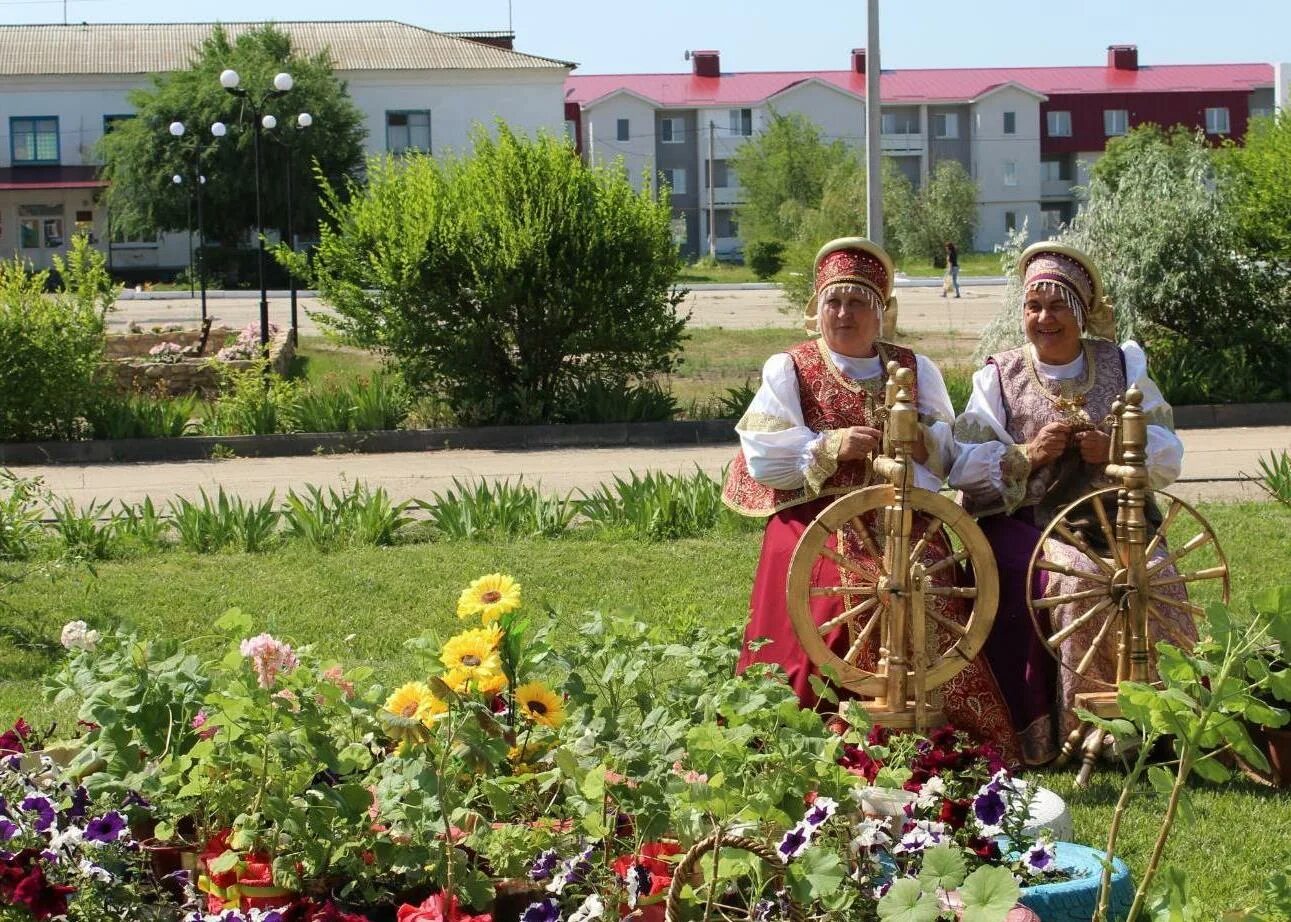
x=809 y=436
x=1035 y=437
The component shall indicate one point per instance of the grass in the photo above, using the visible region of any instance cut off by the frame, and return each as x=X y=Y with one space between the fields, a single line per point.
x=721 y=274
x=319 y=359
x=359 y=605
x=969 y=264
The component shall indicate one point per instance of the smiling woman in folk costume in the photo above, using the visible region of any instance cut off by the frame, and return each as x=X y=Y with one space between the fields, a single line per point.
x=1034 y=438
x=809 y=436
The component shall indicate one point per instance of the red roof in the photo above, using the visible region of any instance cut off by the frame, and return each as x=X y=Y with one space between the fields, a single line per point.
x=50 y=177
x=923 y=85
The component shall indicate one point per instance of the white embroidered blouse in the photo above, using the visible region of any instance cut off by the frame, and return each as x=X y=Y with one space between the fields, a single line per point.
x=782 y=458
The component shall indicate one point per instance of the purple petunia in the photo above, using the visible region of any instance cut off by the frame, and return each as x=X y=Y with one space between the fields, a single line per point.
x=638 y=883
x=822 y=809
x=1039 y=858
x=795 y=841
x=8 y=830
x=572 y=870
x=544 y=865
x=80 y=803
x=135 y=799
x=989 y=806
x=544 y=910
x=43 y=808
x=105 y=828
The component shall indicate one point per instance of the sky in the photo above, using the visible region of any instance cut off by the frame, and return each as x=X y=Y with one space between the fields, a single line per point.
x=608 y=36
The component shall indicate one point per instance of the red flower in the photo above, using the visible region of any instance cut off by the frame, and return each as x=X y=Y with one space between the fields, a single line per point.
x=660 y=871
x=986 y=849
x=15 y=739
x=859 y=762
x=43 y=899
x=13 y=868
x=878 y=735
x=439 y=907
x=954 y=813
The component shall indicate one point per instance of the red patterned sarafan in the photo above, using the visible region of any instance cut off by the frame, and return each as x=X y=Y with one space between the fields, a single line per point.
x=856 y=267
x=829 y=401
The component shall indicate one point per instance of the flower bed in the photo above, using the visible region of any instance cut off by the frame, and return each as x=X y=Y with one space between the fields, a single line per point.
x=166 y=362
x=508 y=782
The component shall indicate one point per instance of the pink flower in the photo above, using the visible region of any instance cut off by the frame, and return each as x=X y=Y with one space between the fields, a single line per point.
x=200 y=721
x=336 y=676
x=690 y=776
x=268 y=658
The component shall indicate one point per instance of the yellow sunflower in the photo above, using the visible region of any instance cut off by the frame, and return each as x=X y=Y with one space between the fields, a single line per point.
x=414 y=701
x=474 y=651
x=540 y=704
x=490 y=597
x=464 y=681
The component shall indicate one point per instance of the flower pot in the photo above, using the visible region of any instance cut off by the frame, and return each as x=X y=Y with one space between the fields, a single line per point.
x=886 y=804
x=1277 y=746
x=1075 y=900
x=166 y=859
x=1018 y=913
x=512 y=895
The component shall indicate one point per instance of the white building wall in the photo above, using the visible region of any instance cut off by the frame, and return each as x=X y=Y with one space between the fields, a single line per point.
x=602 y=146
x=992 y=151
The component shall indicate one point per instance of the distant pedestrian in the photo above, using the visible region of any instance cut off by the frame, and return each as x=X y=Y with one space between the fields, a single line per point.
x=952 y=269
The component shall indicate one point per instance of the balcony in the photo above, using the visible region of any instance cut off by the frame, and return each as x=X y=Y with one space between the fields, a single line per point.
x=1056 y=188
x=903 y=143
x=728 y=195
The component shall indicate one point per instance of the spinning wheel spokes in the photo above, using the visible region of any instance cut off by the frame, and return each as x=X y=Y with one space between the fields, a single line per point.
x=1092 y=594
x=945 y=566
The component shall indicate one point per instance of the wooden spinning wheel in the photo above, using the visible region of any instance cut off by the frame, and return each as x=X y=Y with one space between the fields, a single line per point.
x=896 y=555
x=1119 y=587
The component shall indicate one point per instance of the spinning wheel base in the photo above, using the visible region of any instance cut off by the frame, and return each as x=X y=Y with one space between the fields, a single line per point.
x=903 y=719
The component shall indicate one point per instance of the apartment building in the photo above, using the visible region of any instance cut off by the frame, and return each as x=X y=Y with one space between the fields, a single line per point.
x=63 y=87
x=1027 y=135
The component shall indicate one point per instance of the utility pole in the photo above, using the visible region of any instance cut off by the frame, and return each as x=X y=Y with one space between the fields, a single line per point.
x=873 y=129
x=591 y=143
x=712 y=229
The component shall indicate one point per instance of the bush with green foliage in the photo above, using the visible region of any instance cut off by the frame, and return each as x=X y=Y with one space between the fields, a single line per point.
x=944 y=209
x=764 y=257
x=503 y=279
x=1257 y=178
x=51 y=347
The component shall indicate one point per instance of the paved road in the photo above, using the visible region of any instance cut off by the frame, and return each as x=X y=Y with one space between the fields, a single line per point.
x=921 y=310
x=1209 y=454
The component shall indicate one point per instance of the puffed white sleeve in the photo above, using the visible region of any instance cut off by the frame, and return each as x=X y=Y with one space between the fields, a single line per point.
x=989 y=468
x=778 y=446
x=1164 y=449
x=937 y=417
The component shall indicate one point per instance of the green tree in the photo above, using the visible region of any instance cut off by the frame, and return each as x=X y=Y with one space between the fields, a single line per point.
x=945 y=209
x=1257 y=174
x=1174 y=146
x=140 y=156
x=506 y=281
x=783 y=171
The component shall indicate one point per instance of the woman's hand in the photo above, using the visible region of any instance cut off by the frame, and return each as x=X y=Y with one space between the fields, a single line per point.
x=859 y=442
x=1095 y=446
x=1049 y=444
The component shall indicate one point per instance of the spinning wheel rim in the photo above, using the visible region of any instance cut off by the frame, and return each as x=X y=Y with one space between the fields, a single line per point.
x=953 y=519
x=1109 y=574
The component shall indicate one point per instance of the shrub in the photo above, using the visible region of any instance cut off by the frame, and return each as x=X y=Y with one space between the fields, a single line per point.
x=616 y=402
x=208 y=525
x=20 y=529
x=656 y=506
x=89 y=532
x=141 y=416
x=143 y=523
x=483 y=510
x=249 y=406
x=331 y=519
x=501 y=279
x=50 y=347
x=765 y=257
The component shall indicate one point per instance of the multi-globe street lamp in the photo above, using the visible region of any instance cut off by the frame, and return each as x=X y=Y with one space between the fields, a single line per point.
x=177 y=130
x=287 y=138
x=282 y=84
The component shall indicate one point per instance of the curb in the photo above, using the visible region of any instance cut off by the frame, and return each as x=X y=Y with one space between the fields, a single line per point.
x=491 y=438
x=216 y=294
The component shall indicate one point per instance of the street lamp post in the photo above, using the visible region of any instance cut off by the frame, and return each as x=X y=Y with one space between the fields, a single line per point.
x=288 y=140
x=282 y=84
x=218 y=130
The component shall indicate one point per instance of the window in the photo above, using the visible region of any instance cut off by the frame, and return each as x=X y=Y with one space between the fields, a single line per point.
x=1010 y=172
x=676 y=179
x=717 y=174
x=900 y=122
x=1010 y=123
x=1055 y=169
x=741 y=122
x=672 y=130
x=945 y=126
x=1051 y=220
x=34 y=140
x=408 y=130
x=724 y=224
x=621 y=132
x=1115 y=122
x=1261 y=112
x=40 y=225
x=1010 y=221
x=113 y=122
x=1216 y=121
x=1059 y=124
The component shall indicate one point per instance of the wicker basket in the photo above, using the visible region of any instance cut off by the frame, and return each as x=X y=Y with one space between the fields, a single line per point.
x=689 y=865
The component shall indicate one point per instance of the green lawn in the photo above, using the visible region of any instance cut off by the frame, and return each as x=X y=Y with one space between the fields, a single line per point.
x=360 y=605
x=320 y=359
x=969 y=264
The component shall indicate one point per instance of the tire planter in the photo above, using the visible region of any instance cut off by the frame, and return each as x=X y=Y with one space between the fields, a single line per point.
x=1075 y=900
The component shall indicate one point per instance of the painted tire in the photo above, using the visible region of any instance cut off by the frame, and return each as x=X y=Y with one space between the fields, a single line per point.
x=1075 y=900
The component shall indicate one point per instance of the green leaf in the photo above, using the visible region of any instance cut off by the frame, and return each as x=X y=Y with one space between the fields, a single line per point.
x=223 y=863
x=905 y=901
x=943 y=868
x=989 y=894
x=235 y=622
x=1211 y=770
x=823 y=869
x=1162 y=780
